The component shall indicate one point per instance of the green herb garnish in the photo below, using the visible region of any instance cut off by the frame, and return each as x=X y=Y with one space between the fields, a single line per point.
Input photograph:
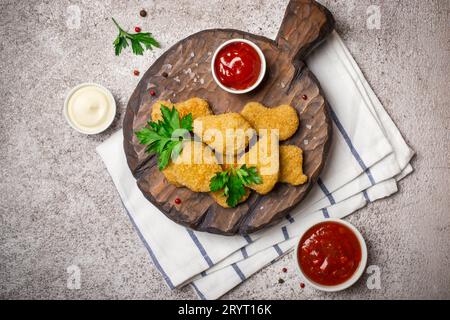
x=139 y=41
x=233 y=182
x=165 y=137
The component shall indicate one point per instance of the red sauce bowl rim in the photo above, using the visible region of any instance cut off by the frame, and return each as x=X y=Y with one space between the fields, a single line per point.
x=261 y=73
x=356 y=275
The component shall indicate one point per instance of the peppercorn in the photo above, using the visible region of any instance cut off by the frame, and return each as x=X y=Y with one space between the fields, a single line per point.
x=143 y=13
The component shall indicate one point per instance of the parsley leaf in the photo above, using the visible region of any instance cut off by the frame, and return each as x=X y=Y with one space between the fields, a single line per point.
x=165 y=137
x=233 y=182
x=140 y=41
x=219 y=181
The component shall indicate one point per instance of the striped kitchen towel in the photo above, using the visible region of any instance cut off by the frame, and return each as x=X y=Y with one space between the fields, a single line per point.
x=367 y=157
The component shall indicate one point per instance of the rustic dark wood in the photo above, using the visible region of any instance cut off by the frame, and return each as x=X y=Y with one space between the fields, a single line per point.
x=184 y=71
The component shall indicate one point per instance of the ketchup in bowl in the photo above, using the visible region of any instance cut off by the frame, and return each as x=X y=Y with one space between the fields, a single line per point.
x=329 y=253
x=237 y=65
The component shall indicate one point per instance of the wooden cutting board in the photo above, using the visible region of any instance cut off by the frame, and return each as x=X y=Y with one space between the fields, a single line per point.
x=184 y=71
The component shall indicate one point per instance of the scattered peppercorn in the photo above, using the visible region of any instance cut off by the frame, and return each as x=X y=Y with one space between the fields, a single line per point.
x=284 y=270
x=137 y=29
x=302 y=285
x=152 y=92
x=304 y=97
x=280 y=280
x=177 y=201
x=136 y=72
x=143 y=13
x=165 y=74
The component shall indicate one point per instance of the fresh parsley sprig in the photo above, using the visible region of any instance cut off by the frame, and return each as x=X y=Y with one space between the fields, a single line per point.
x=233 y=182
x=139 y=41
x=165 y=137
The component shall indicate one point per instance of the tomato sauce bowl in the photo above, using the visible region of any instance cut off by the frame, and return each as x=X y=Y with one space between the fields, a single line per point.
x=238 y=66
x=331 y=255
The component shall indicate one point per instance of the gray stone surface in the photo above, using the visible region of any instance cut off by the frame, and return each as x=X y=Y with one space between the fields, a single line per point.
x=59 y=207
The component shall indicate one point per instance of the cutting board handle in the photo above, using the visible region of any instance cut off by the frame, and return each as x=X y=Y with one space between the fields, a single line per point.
x=305 y=25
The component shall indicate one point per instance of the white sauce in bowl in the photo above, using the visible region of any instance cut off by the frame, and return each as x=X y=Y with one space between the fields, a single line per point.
x=90 y=108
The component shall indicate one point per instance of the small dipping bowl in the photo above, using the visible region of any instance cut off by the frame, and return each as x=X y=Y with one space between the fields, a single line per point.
x=100 y=97
x=356 y=274
x=261 y=73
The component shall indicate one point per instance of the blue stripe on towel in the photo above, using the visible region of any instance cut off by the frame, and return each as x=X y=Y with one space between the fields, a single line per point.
x=238 y=271
x=278 y=249
x=199 y=293
x=285 y=233
x=350 y=145
x=244 y=252
x=325 y=213
x=203 y=273
x=366 y=196
x=248 y=239
x=289 y=218
x=200 y=247
x=150 y=251
x=325 y=191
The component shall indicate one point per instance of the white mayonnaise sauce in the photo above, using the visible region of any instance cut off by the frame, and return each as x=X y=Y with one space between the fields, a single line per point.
x=90 y=109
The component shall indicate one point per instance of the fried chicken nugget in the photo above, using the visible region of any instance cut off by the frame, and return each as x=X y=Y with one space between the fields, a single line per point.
x=291 y=162
x=222 y=200
x=264 y=155
x=284 y=118
x=227 y=133
x=193 y=168
x=196 y=106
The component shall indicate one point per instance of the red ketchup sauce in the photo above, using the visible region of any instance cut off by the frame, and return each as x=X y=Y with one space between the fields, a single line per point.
x=237 y=66
x=329 y=253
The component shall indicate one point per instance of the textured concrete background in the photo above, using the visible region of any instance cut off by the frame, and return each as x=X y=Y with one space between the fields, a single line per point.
x=59 y=206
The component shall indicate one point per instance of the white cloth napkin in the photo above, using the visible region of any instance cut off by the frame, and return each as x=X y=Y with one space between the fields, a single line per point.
x=367 y=157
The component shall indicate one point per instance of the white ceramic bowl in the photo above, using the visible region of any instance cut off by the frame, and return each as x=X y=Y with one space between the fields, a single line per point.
x=107 y=123
x=261 y=74
x=359 y=271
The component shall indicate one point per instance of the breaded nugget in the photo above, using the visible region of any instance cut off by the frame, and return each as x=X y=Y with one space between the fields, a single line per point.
x=264 y=155
x=196 y=106
x=222 y=200
x=291 y=162
x=227 y=133
x=193 y=168
x=284 y=118
x=170 y=173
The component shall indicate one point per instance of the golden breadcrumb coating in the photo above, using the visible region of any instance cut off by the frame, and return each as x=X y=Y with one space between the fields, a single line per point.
x=193 y=168
x=227 y=133
x=284 y=118
x=291 y=162
x=222 y=200
x=196 y=106
x=170 y=173
x=264 y=155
